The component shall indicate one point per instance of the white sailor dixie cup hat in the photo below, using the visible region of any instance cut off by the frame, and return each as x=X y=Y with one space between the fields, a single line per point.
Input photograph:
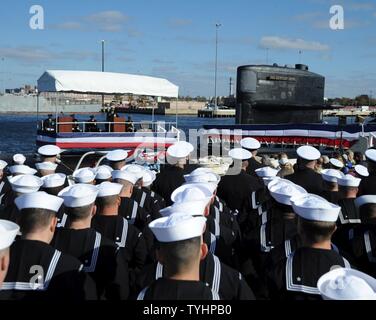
x=103 y=172
x=25 y=183
x=49 y=150
x=331 y=175
x=192 y=192
x=39 y=200
x=47 y=165
x=108 y=189
x=19 y=158
x=315 y=208
x=336 y=163
x=240 y=154
x=349 y=181
x=360 y=201
x=308 y=153
x=79 y=195
x=283 y=190
x=8 y=232
x=181 y=149
x=3 y=164
x=177 y=227
x=347 y=284
x=54 y=180
x=84 y=175
x=135 y=169
x=371 y=155
x=194 y=207
x=250 y=143
x=124 y=175
x=148 y=177
x=266 y=172
x=21 y=169
x=117 y=155
x=361 y=170
x=202 y=177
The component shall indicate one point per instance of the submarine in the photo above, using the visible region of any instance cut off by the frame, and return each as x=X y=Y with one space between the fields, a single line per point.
x=272 y=94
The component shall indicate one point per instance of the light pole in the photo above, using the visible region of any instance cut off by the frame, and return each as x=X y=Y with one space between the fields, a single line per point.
x=3 y=77
x=102 y=71
x=217 y=26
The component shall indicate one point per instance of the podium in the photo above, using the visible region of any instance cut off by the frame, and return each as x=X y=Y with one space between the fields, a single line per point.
x=65 y=127
x=118 y=127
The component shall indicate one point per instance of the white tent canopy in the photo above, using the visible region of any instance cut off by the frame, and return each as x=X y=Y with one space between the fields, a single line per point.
x=105 y=83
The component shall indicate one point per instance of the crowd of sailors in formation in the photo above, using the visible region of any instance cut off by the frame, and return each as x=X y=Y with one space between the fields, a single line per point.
x=304 y=231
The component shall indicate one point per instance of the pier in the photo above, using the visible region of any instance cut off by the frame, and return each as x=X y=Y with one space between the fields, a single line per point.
x=219 y=113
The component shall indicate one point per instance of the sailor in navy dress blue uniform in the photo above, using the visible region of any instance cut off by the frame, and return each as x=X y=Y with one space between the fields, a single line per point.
x=295 y=277
x=236 y=187
x=180 y=250
x=129 y=209
x=53 y=184
x=227 y=282
x=4 y=184
x=330 y=182
x=363 y=236
x=196 y=198
x=20 y=184
x=252 y=145
x=111 y=225
x=304 y=174
x=8 y=232
x=349 y=215
x=100 y=256
x=368 y=184
x=51 y=153
x=55 y=276
x=172 y=173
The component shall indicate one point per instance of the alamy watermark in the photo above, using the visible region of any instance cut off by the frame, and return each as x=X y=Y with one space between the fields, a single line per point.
x=337 y=21
x=36 y=21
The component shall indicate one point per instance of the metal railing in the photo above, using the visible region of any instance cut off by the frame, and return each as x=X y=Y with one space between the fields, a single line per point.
x=109 y=127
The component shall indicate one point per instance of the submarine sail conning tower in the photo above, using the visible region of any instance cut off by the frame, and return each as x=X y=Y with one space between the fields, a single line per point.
x=272 y=94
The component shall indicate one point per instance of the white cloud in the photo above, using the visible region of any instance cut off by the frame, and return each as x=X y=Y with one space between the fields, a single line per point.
x=69 y=25
x=275 y=42
x=33 y=54
x=108 y=21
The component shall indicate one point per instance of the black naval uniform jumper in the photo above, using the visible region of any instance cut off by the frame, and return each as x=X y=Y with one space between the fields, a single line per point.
x=368 y=185
x=295 y=277
x=363 y=239
x=224 y=218
x=63 y=277
x=331 y=196
x=168 y=289
x=236 y=191
x=224 y=241
x=308 y=179
x=129 y=239
x=253 y=165
x=147 y=202
x=228 y=283
x=168 y=180
x=5 y=188
x=101 y=260
x=130 y=210
x=348 y=219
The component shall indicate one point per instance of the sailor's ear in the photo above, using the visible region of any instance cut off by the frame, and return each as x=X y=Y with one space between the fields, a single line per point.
x=53 y=224
x=207 y=210
x=118 y=201
x=204 y=251
x=93 y=210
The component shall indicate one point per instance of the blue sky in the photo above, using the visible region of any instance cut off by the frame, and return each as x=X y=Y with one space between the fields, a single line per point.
x=176 y=40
